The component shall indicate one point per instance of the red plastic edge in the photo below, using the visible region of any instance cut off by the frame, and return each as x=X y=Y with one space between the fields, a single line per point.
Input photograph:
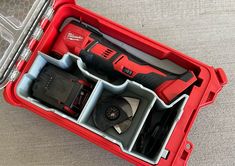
x=212 y=81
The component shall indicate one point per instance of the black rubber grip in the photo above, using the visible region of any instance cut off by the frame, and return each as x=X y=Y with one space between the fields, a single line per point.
x=152 y=80
x=98 y=63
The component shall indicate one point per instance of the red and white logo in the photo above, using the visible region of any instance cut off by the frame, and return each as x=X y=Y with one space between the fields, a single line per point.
x=73 y=37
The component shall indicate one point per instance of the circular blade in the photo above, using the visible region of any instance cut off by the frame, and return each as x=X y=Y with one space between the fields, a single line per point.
x=123 y=127
x=111 y=112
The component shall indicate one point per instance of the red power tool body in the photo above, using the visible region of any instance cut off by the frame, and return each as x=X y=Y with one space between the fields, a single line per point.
x=99 y=53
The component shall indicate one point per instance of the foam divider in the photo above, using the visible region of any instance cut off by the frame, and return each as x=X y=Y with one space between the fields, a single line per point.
x=127 y=140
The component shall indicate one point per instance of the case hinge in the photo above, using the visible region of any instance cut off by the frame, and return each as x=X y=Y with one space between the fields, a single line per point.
x=37 y=34
x=49 y=13
x=26 y=54
x=14 y=76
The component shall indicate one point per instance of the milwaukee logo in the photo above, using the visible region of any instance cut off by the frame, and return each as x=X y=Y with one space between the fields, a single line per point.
x=73 y=37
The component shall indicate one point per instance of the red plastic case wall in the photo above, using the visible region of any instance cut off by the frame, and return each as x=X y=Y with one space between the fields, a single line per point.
x=210 y=80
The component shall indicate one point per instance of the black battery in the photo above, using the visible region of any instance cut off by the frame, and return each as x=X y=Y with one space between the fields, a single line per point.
x=61 y=90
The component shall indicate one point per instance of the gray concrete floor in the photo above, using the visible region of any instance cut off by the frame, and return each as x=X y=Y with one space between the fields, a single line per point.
x=203 y=29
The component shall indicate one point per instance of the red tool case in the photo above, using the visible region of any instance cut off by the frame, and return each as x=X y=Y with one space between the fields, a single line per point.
x=39 y=35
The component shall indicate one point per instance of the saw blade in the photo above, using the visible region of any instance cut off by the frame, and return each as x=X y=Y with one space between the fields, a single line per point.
x=115 y=112
x=122 y=127
x=134 y=103
x=110 y=112
x=125 y=125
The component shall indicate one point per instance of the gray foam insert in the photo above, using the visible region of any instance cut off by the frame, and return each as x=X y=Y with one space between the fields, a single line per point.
x=133 y=91
x=128 y=88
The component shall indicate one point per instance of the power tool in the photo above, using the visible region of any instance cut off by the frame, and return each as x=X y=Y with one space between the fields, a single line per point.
x=100 y=54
